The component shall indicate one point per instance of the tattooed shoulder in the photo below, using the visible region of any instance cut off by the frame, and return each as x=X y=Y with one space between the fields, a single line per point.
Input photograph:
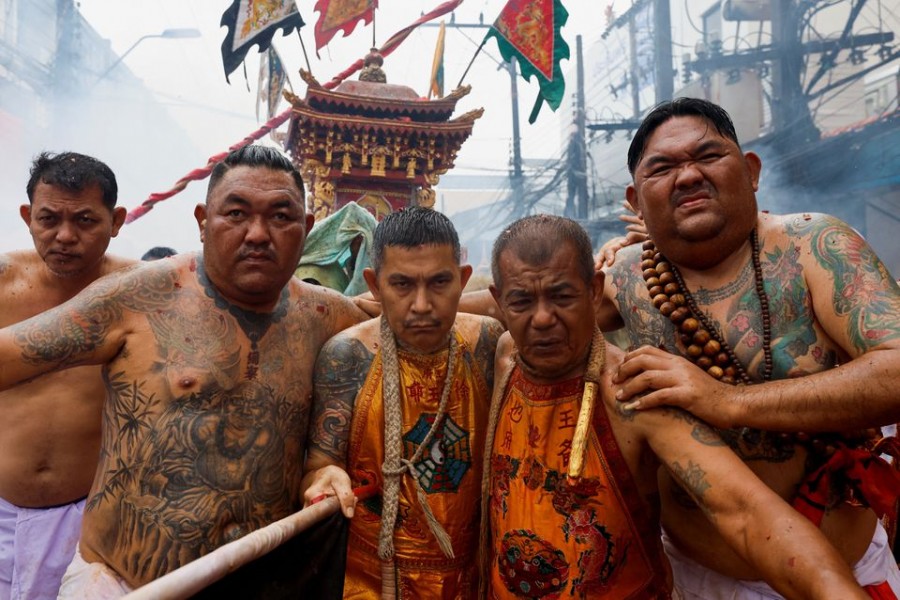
x=486 y=347
x=341 y=370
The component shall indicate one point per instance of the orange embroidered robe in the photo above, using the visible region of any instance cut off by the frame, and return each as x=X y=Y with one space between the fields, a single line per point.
x=551 y=538
x=449 y=472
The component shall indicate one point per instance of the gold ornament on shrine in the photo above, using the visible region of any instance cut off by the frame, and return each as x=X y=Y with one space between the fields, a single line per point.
x=377 y=144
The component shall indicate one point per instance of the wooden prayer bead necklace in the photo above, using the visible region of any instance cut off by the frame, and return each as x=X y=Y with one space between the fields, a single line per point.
x=707 y=348
x=703 y=342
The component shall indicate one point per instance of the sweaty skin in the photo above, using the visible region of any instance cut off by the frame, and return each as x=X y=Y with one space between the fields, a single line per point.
x=208 y=387
x=545 y=306
x=51 y=438
x=50 y=444
x=800 y=346
x=835 y=337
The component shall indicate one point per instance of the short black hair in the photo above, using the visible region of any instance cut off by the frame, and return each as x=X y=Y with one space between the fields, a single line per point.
x=411 y=227
x=534 y=239
x=713 y=114
x=254 y=156
x=157 y=252
x=74 y=172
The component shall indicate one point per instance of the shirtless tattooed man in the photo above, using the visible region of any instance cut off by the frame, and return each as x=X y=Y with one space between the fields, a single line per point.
x=799 y=306
x=51 y=437
x=207 y=361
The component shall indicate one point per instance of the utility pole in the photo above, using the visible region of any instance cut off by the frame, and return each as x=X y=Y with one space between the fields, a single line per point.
x=662 y=33
x=578 y=149
x=790 y=111
x=633 y=69
x=516 y=177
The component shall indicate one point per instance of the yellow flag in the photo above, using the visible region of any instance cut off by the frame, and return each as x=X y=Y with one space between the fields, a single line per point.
x=436 y=88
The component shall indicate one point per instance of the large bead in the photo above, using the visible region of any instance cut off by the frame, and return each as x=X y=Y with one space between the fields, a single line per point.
x=663 y=267
x=690 y=325
x=694 y=351
x=659 y=300
x=652 y=281
x=647 y=263
x=722 y=359
x=712 y=347
x=666 y=277
x=680 y=314
x=704 y=362
x=648 y=245
x=672 y=288
x=648 y=273
x=647 y=254
x=667 y=308
x=677 y=299
x=655 y=290
x=715 y=371
x=701 y=336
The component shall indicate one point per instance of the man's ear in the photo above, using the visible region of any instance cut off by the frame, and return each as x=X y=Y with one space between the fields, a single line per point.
x=465 y=272
x=310 y=222
x=200 y=216
x=754 y=164
x=631 y=198
x=372 y=281
x=25 y=213
x=597 y=286
x=118 y=219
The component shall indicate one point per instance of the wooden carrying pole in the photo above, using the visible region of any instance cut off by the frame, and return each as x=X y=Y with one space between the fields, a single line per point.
x=193 y=577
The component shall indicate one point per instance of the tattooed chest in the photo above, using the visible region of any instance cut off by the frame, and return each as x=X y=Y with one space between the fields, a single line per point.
x=208 y=467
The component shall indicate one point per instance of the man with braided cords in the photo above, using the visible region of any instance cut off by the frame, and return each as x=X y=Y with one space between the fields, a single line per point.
x=726 y=294
x=401 y=402
x=596 y=535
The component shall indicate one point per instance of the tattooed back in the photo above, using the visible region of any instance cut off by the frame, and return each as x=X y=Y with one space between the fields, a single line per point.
x=204 y=425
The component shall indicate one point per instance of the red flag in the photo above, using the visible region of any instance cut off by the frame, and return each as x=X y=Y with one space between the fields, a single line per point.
x=202 y=173
x=341 y=15
x=530 y=31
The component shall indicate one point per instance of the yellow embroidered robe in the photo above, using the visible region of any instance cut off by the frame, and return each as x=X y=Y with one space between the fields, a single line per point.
x=449 y=472
x=554 y=538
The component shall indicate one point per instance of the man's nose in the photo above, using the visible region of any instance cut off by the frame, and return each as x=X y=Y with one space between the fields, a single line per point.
x=688 y=175
x=544 y=316
x=257 y=231
x=422 y=301
x=66 y=233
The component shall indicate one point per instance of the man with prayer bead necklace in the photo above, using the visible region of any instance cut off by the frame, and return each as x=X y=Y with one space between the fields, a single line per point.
x=592 y=531
x=408 y=394
x=208 y=364
x=749 y=296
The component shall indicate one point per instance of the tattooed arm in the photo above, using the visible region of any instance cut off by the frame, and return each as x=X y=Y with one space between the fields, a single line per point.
x=855 y=302
x=486 y=348
x=88 y=329
x=340 y=373
x=790 y=553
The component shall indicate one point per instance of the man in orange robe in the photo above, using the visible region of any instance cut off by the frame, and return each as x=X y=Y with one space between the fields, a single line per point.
x=550 y=533
x=407 y=395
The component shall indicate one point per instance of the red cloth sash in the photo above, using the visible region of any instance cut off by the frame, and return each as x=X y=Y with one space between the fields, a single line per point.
x=881 y=591
x=871 y=480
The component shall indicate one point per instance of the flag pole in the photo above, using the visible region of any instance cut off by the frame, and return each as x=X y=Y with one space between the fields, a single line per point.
x=374 y=10
x=466 y=72
x=305 y=56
